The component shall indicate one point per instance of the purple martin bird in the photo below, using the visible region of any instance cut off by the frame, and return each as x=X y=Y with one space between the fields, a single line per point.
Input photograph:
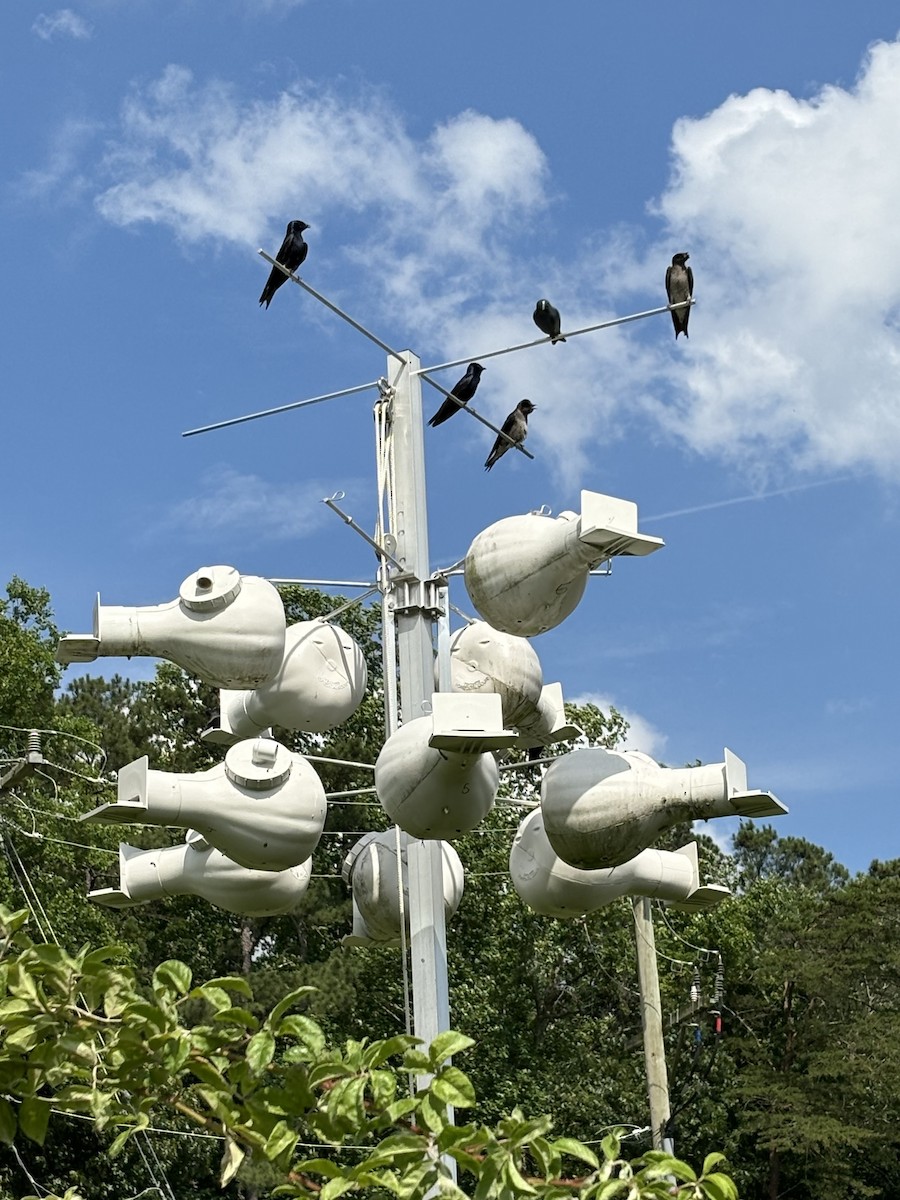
x=464 y=389
x=292 y=253
x=680 y=287
x=546 y=317
x=516 y=427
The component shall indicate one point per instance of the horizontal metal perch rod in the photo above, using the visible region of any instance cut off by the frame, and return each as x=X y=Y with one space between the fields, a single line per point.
x=350 y=583
x=270 y=412
x=334 y=308
x=651 y=312
x=379 y=550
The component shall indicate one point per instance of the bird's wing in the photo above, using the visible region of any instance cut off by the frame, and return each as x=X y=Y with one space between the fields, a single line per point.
x=509 y=425
x=285 y=248
x=690 y=278
x=669 y=283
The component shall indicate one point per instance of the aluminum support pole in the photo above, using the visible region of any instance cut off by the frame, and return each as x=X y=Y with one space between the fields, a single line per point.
x=652 y=1025
x=428 y=938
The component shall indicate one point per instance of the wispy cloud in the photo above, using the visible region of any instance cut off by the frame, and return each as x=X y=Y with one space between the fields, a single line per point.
x=245 y=504
x=847 y=707
x=699 y=508
x=786 y=205
x=63 y=176
x=62 y=23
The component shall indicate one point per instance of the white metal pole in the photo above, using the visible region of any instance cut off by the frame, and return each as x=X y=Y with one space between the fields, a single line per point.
x=428 y=938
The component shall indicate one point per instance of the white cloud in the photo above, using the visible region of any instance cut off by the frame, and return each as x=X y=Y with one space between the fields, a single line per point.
x=62 y=23
x=62 y=178
x=199 y=158
x=642 y=734
x=241 y=504
x=786 y=205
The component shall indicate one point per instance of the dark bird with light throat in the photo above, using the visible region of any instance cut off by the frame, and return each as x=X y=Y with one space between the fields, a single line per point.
x=680 y=287
x=291 y=255
x=516 y=427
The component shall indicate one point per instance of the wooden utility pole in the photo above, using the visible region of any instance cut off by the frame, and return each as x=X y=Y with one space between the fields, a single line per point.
x=652 y=1025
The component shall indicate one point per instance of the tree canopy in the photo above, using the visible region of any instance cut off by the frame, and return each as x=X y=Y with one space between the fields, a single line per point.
x=787 y=1063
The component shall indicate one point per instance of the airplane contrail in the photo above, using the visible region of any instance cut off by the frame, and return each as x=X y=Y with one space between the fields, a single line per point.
x=800 y=487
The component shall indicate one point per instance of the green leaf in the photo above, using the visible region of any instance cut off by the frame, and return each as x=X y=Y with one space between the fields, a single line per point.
x=381 y=1051
x=517 y=1180
x=34 y=1114
x=606 y=1191
x=335 y=1187
x=487 y=1183
x=416 y=1060
x=612 y=1144
x=280 y=1139
x=260 y=1050
x=345 y=1101
x=305 y=1030
x=11 y=922
x=547 y=1161
x=320 y=1166
x=26 y=1037
x=403 y=1142
x=216 y=997
x=237 y=1016
x=433 y=1116
x=671 y=1165
x=147 y=1014
x=7 y=1122
x=173 y=974
x=718 y=1186
x=10 y=1007
x=234 y=983
x=456 y=1135
x=575 y=1149
x=453 y=1087
x=400 y=1108
x=207 y=1073
x=231 y=1161
x=285 y=1003
x=99 y=957
x=120 y=1140
x=712 y=1160
x=445 y=1045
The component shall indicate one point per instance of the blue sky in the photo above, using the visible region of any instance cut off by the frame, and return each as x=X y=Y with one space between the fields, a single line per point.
x=455 y=163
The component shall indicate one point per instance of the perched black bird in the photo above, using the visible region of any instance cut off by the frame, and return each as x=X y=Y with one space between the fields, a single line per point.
x=516 y=427
x=292 y=253
x=680 y=287
x=464 y=389
x=546 y=317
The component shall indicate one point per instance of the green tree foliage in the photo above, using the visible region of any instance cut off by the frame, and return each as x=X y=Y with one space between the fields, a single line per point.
x=82 y=1036
x=798 y=1089
x=760 y=853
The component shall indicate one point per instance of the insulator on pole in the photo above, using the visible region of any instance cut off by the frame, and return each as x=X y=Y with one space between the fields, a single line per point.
x=695 y=986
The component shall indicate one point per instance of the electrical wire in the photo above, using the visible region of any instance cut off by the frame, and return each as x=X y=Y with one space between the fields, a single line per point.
x=661 y=908
x=623 y=989
x=47 y=932
x=38 y=1187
